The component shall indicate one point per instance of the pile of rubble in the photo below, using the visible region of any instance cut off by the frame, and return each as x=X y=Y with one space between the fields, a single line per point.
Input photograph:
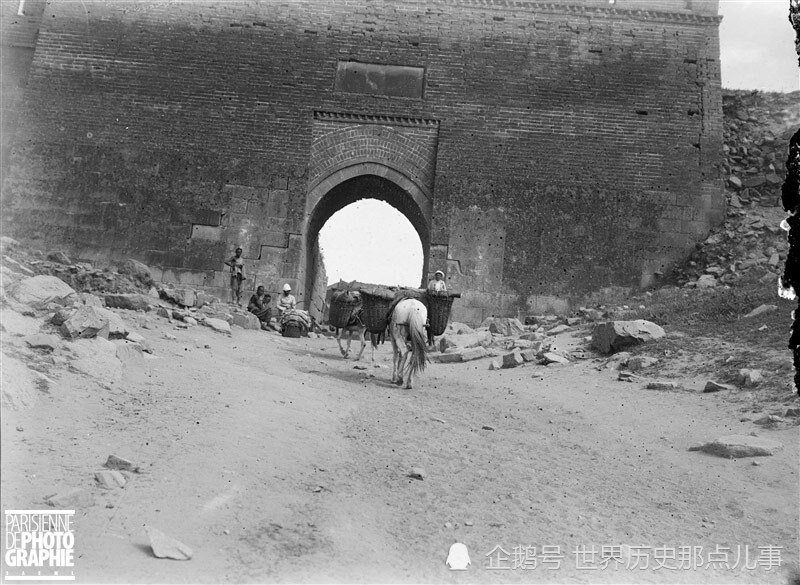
x=750 y=243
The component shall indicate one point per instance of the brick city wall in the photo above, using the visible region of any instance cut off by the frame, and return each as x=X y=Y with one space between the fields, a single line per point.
x=576 y=143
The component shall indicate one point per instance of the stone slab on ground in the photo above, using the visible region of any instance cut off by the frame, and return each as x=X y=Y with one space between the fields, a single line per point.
x=506 y=326
x=114 y=462
x=554 y=358
x=448 y=358
x=166 y=547
x=614 y=335
x=39 y=291
x=737 y=446
x=472 y=353
x=218 y=325
x=712 y=386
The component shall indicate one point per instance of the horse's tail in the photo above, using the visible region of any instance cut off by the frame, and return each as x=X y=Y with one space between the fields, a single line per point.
x=419 y=342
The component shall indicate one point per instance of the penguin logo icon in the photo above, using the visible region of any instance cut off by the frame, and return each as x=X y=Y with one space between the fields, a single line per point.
x=458 y=557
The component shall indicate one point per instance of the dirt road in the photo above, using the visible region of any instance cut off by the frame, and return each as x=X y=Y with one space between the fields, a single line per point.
x=276 y=460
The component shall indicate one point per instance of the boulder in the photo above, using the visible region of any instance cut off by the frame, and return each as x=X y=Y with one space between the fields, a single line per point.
x=505 y=326
x=39 y=291
x=661 y=386
x=528 y=355
x=133 y=302
x=513 y=359
x=735 y=446
x=136 y=268
x=92 y=322
x=246 y=321
x=114 y=462
x=129 y=352
x=495 y=365
x=218 y=325
x=180 y=296
x=611 y=336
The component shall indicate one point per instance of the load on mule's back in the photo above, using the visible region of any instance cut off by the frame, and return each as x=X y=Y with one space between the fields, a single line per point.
x=345 y=317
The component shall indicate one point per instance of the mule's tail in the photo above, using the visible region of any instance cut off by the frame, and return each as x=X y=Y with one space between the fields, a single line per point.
x=419 y=342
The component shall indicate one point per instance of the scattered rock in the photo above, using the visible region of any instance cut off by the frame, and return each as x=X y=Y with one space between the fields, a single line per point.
x=760 y=310
x=456 y=328
x=417 y=473
x=770 y=420
x=513 y=359
x=737 y=446
x=89 y=322
x=750 y=378
x=191 y=321
x=135 y=337
x=792 y=412
x=465 y=340
x=136 y=268
x=613 y=335
x=169 y=336
x=166 y=547
x=97 y=359
x=39 y=291
x=129 y=352
x=180 y=296
x=628 y=377
x=712 y=386
x=73 y=498
x=110 y=479
x=118 y=463
x=495 y=365
x=91 y=300
x=528 y=355
x=488 y=428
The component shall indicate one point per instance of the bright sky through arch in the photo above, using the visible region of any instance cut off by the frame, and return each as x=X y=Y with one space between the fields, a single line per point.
x=370 y=241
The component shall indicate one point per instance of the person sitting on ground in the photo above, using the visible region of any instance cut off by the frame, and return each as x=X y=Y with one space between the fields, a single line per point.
x=236 y=263
x=437 y=286
x=286 y=301
x=259 y=306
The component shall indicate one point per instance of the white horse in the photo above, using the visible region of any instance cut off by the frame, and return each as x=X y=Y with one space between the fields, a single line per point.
x=356 y=325
x=407 y=330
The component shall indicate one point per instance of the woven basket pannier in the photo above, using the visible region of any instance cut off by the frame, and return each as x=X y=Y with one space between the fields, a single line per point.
x=374 y=312
x=342 y=305
x=439 y=312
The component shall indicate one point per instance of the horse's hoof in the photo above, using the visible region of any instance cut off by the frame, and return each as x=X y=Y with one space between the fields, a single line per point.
x=406 y=387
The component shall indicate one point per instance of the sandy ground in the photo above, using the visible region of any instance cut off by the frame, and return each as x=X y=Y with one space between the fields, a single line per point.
x=277 y=461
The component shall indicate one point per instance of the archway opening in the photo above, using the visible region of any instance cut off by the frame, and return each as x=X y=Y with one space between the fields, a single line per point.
x=388 y=234
x=370 y=241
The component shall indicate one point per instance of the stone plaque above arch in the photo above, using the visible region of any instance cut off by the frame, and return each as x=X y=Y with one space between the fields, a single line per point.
x=406 y=145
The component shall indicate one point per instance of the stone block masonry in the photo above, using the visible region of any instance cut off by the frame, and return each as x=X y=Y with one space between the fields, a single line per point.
x=555 y=148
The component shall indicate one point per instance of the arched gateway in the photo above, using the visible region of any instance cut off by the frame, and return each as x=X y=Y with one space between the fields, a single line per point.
x=368 y=180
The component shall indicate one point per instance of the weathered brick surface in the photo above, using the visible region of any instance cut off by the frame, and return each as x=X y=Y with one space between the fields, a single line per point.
x=586 y=134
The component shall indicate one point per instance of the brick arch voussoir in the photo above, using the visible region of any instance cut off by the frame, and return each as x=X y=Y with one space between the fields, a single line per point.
x=349 y=146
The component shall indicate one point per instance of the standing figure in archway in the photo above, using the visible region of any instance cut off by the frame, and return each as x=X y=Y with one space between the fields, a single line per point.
x=236 y=263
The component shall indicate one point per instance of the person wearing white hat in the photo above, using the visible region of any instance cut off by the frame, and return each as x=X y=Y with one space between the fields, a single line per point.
x=437 y=285
x=286 y=301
